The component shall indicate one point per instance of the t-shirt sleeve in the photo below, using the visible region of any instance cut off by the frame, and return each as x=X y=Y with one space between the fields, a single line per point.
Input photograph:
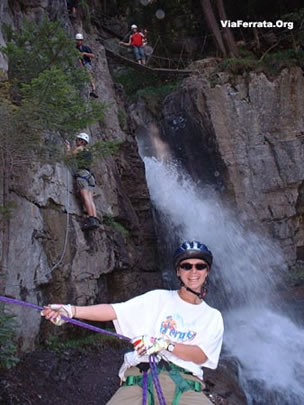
x=87 y=49
x=211 y=340
x=132 y=317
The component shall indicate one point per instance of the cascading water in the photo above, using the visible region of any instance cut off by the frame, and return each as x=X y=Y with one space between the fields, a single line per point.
x=268 y=346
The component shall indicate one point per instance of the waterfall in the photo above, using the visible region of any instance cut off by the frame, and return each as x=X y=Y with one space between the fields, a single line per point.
x=248 y=269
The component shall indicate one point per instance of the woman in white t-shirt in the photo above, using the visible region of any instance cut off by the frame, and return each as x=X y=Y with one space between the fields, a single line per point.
x=178 y=326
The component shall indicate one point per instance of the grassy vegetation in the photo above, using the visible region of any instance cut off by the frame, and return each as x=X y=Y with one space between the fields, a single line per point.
x=85 y=11
x=141 y=83
x=296 y=275
x=7 y=210
x=272 y=64
x=93 y=341
x=122 y=119
x=8 y=344
x=110 y=221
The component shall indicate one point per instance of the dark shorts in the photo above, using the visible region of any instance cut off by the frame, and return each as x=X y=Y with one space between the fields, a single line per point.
x=85 y=180
x=89 y=67
x=139 y=52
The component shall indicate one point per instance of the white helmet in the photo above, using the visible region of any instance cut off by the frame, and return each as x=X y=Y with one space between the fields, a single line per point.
x=79 y=36
x=133 y=26
x=85 y=137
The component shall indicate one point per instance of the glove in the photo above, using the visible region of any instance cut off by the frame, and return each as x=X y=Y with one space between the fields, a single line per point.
x=149 y=345
x=66 y=310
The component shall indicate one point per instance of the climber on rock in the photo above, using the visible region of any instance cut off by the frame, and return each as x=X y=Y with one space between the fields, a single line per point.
x=85 y=61
x=84 y=177
x=136 y=40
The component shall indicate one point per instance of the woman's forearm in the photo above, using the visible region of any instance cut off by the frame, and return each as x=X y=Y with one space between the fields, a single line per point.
x=189 y=353
x=100 y=312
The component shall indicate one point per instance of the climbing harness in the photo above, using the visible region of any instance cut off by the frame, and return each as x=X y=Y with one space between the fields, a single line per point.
x=146 y=381
x=87 y=177
x=182 y=384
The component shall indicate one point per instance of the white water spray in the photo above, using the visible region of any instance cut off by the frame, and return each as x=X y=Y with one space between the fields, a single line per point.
x=268 y=346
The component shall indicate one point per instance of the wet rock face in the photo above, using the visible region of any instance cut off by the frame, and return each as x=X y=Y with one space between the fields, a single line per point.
x=258 y=124
x=45 y=255
x=244 y=136
x=190 y=135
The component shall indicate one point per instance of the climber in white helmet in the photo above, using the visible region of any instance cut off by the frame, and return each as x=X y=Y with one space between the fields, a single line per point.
x=85 y=61
x=136 y=40
x=85 y=178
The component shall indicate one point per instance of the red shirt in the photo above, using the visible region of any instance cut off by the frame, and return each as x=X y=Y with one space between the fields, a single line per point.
x=137 y=39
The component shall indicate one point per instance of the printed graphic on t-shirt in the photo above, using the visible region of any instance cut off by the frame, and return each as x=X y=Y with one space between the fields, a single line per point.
x=175 y=329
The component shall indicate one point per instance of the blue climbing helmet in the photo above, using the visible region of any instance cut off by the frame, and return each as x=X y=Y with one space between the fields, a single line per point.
x=192 y=250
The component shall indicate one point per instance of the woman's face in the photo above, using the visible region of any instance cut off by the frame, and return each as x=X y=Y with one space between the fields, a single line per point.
x=193 y=273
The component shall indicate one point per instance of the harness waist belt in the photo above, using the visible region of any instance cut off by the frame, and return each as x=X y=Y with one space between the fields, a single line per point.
x=182 y=384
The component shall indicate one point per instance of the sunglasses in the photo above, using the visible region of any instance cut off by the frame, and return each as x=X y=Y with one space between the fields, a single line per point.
x=198 y=266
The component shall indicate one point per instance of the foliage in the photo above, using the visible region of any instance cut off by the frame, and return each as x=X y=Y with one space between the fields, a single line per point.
x=47 y=85
x=122 y=118
x=154 y=96
x=102 y=149
x=8 y=344
x=136 y=83
x=279 y=60
x=6 y=210
x=160 y=91
x=238 y=65
x=85 y=10
x=99 y=150
x=111 y=221
x=271 y=64
x=296 y=275
x=150 y=87
x=95 y=340
x=296 y=16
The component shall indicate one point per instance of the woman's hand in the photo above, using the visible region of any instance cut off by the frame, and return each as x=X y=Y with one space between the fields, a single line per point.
x=52 y=313
x=149 y=345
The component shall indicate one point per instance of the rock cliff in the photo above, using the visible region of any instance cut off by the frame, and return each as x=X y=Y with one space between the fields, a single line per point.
x=244 y=135
x=45 y=255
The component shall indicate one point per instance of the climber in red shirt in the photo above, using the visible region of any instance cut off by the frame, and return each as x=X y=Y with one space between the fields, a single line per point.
x=136 y=40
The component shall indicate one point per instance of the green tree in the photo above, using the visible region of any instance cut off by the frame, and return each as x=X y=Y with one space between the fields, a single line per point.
x=48 y=87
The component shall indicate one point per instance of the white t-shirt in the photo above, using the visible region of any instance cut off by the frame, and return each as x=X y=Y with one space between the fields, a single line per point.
x=162 y=313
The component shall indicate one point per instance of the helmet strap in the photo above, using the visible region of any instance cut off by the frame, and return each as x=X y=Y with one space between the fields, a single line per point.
x=201 y=295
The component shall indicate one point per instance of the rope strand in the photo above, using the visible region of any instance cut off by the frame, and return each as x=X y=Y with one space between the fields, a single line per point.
x=154 y=373
x=69 y=320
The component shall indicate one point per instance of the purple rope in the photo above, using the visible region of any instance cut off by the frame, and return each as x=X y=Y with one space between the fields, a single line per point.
x=145 y=388
x=72 y=321
x=154 y=373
